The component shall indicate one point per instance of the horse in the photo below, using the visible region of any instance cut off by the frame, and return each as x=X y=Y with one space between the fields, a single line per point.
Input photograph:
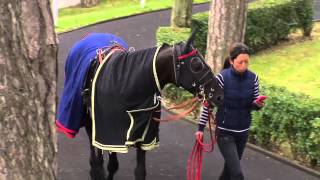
x=180 y=64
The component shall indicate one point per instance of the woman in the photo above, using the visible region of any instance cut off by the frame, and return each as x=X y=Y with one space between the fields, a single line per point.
x=233 y=117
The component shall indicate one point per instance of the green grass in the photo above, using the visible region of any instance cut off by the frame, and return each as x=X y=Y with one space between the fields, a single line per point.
x=75 y=17
x=294 y=65
x=266 y=3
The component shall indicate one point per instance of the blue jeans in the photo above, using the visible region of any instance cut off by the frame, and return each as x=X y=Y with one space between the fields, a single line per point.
x=231 y=146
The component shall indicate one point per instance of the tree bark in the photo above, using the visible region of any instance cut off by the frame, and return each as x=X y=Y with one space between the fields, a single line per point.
x=28 y=76
x=227 y=22
x=89 y=3
x=181 y=13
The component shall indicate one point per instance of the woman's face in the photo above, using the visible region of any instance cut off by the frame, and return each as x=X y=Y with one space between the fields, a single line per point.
x=240 y=63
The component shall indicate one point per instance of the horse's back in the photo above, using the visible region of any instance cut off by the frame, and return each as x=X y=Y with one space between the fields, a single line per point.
x=71 y=115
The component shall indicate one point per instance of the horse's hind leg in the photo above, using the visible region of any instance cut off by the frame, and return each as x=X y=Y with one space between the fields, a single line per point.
x=96 y=158
x=140 y=171
x=113 y=165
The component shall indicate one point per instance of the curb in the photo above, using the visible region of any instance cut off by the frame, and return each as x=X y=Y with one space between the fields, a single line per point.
x=284 y=160
x=269 y=153
x=123 y=17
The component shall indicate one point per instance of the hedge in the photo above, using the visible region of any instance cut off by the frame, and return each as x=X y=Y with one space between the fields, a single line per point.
x=304 y=12
x=288 y=118
x=268 y=23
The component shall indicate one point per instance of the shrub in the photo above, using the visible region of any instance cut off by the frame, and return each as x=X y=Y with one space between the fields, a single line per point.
x=266 y=26
x=288 y=118
x=200 y=23
x=172 y=35
x=304 y=12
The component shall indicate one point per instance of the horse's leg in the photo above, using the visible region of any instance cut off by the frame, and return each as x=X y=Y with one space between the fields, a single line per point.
x=113 y=165
x=96 y=157
x=140 y=171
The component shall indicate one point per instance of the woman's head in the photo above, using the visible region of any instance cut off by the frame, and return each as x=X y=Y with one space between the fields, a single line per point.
x=239 y=57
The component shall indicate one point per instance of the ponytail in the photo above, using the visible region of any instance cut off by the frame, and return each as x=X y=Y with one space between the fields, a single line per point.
x=226 y=64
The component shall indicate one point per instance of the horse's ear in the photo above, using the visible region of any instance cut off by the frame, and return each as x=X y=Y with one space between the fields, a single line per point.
x=189 y=44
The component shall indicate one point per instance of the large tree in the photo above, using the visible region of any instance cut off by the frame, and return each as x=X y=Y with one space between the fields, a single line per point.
x=227 y=22
x=181 y=13
x=89 y=3
x=28 y=75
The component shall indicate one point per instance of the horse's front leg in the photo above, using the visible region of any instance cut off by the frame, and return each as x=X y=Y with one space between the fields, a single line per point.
x=140 y=171
x=113 y=165
x=96 y=158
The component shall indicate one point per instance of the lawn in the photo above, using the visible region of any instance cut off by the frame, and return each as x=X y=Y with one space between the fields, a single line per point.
x=75 y=17
x=294 y=64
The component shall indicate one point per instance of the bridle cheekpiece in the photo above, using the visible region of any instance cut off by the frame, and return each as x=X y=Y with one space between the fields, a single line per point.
x=201 y=78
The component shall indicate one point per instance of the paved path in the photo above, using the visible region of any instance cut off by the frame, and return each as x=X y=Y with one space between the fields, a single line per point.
x=316 y=14
x=168 y=162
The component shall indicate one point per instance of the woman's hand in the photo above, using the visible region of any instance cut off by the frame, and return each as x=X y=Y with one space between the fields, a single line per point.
x=260 y=101
x=199 y=135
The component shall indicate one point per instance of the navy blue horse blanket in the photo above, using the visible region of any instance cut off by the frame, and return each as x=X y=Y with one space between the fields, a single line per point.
x=125 y=100
x=71 y=114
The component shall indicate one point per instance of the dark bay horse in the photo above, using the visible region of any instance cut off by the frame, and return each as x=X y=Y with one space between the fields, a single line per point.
x=180 y=64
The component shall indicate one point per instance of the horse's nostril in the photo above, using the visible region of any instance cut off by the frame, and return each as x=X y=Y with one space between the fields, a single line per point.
x=219 y=98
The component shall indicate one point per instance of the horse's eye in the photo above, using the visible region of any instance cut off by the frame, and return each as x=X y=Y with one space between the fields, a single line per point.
x=196 y=65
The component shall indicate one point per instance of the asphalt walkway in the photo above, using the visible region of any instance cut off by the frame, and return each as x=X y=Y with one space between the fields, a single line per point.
x=168 y=162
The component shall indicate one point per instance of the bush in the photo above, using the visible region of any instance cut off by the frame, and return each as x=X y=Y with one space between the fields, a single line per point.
x=288 y=118
x=304 y=12
x=200 y=23
x=266 y=26
x=172 y=35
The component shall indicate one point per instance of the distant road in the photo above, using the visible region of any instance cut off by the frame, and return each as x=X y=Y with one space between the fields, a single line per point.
x=316 y=11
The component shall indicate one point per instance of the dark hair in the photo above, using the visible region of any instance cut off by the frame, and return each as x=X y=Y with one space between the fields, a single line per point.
x=235 y=50
x=226 y=63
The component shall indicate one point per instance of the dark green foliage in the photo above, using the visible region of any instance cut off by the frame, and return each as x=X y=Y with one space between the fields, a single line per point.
x=172 y=35
x=304 y=11
x=290 y=118
x=267 y=26
x=199 y=23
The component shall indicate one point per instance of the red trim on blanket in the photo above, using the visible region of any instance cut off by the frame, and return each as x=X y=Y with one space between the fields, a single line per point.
x=193 y=52
x=68 y=132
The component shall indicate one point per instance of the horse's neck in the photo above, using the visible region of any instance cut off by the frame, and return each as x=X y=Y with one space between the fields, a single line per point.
x=165 y=66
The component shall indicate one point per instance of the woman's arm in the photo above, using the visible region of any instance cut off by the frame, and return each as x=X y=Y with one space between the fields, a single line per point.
x=257 y=103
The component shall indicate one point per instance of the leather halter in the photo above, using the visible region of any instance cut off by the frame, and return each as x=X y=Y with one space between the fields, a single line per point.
x=199 y=83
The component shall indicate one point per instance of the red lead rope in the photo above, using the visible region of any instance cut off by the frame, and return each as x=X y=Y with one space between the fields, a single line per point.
x=194 y=165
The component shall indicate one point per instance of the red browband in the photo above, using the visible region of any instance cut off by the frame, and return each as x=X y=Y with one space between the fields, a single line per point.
x=193 y=52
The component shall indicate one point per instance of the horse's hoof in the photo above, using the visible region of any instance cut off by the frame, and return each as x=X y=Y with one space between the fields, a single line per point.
x=98 y=175
x=110 y=178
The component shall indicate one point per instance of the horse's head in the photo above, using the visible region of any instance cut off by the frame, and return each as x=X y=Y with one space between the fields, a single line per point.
x=193 y=73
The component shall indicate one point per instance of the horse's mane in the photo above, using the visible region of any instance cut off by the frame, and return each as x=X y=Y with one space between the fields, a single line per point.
x=135 y=54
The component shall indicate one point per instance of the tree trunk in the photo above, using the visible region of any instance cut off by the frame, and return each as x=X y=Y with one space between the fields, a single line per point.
x=227 y=22
x=28 y=76
x=89 y=3
x=181 y=13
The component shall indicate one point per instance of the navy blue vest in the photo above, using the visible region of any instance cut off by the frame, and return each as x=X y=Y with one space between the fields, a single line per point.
x=235 y=113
